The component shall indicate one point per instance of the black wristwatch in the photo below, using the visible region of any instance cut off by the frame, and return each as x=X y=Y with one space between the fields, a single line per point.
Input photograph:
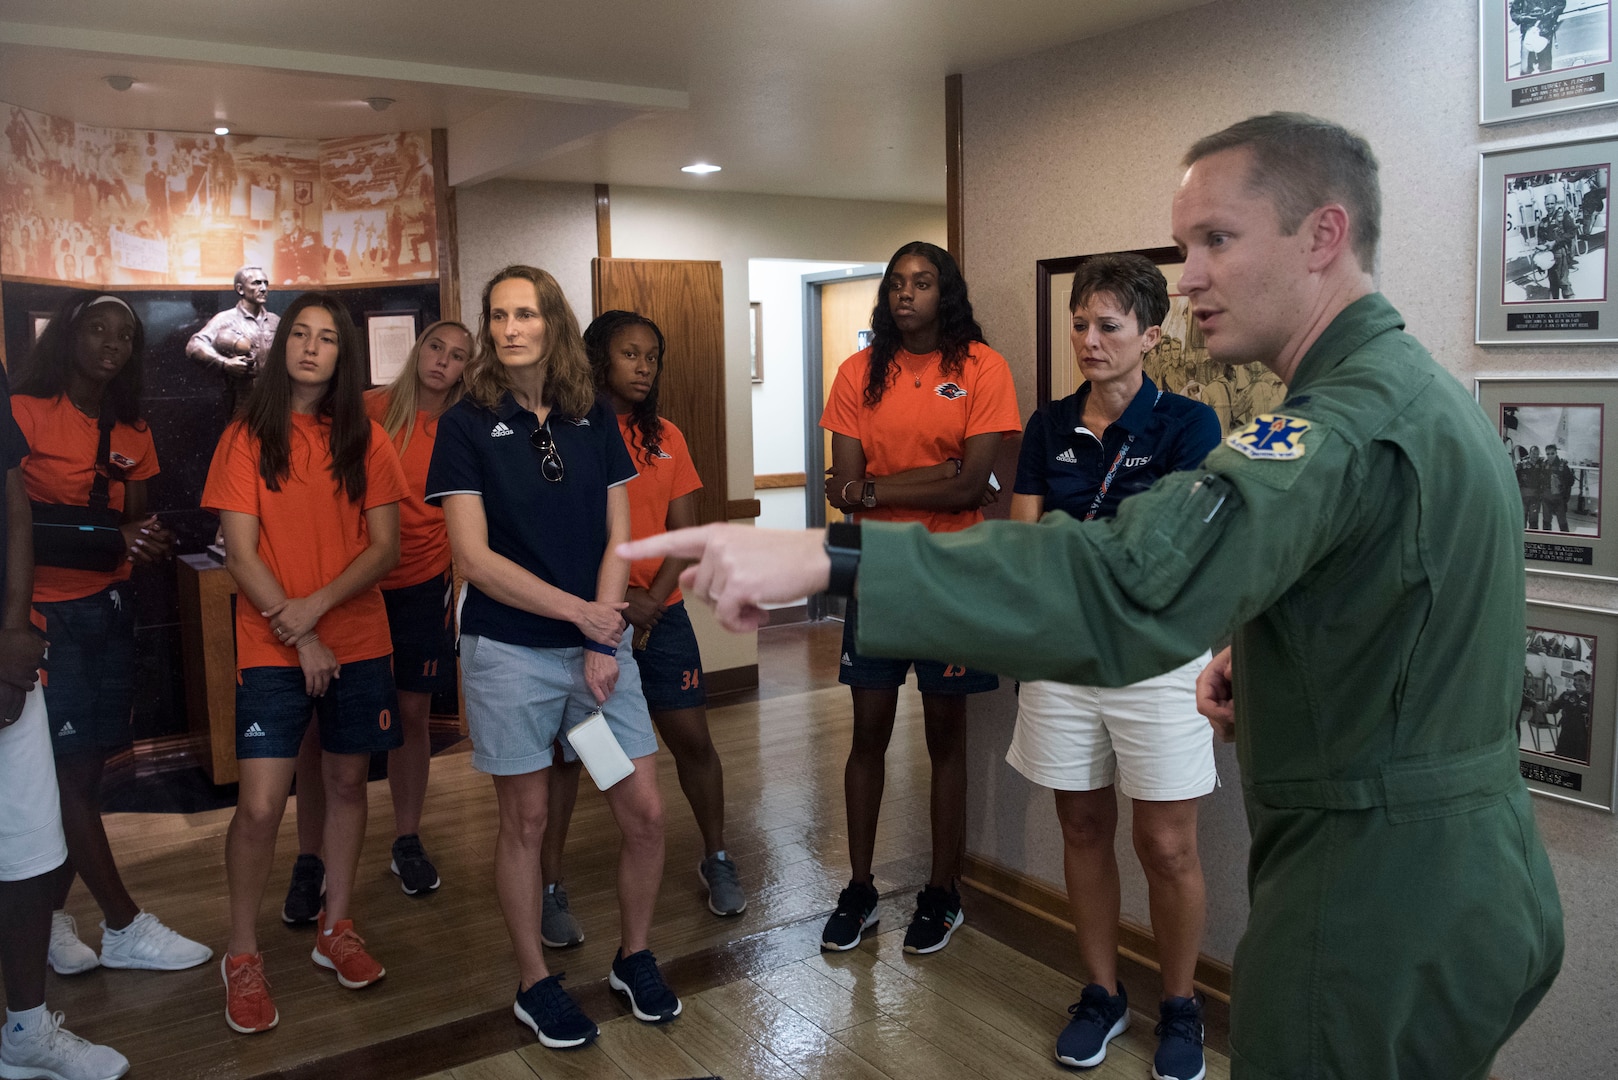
x=843 y=549
x=868 y=495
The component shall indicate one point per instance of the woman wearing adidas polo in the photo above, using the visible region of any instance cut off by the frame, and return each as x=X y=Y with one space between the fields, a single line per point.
x=531 y=472
x=916 y=422
x=417 y=595
x=307 y=489
x=1116 y=436
x=80 y=384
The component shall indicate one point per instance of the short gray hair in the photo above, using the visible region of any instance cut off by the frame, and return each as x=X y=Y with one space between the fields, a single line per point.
x=1303 y=163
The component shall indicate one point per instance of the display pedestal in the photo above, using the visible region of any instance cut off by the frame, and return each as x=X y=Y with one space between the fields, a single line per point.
x=208 y=644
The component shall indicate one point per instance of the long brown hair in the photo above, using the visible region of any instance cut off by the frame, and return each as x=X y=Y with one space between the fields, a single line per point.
x=957 y=329
x=269 y=409
x=405 y=389
x=569 y=386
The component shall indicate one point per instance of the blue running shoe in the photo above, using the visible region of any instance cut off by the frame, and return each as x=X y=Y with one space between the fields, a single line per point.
x=1179 y=1040
x=553 y=1014
x=1098 y=1018
x=637 y=978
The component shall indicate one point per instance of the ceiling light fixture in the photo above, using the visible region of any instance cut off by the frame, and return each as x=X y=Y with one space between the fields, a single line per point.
x=379 y=104
x=119 y=82
x=701 y=168
x=221 y=130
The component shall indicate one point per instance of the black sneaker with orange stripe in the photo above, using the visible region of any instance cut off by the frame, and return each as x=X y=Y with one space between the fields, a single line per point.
x=938 y=915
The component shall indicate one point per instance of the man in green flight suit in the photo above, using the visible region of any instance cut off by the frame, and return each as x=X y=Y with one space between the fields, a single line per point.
x=1362 y=546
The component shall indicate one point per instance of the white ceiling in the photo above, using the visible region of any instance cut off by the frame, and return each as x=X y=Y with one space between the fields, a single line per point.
x=834 y=98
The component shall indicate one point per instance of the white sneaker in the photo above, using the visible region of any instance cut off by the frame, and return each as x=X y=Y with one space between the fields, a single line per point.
x=151 y=946
x=53 y=1052
x=69 y=955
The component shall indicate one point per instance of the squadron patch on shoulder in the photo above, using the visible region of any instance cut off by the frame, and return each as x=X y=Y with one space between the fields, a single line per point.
x=1270 y=437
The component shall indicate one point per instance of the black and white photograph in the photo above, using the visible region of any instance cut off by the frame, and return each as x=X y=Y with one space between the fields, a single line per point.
x=1555 y=451
x=1544 y=56
x=1544 y=275
x=1558 y=673
x=1569 y=712
x=1546 y=36
x=1555 y=236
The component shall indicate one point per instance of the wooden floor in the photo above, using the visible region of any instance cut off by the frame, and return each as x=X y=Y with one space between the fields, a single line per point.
x=761 y=999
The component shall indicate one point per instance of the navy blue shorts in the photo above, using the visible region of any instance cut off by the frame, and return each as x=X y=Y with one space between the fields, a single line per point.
x=89 y=671
x=358 y=713
x=670 y=665
x=419 y=619
x=932 y=677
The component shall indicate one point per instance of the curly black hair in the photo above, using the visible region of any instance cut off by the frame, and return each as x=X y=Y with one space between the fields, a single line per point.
x=957 y=329
x=598 y=347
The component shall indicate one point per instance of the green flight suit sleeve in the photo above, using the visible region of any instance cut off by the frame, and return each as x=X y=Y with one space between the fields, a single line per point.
x=1111 y=602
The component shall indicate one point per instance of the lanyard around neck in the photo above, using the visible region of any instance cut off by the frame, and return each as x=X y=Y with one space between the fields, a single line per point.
x=1106 y=481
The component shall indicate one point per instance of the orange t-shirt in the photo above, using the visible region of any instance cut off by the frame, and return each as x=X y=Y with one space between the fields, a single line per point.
x=61 y=466
x=916 y=426
x=423 y=539
x=663 y=478
x=308 y=533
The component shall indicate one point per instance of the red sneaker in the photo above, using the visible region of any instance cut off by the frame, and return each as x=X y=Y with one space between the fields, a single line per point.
x=248 y=1008
x=343 y=951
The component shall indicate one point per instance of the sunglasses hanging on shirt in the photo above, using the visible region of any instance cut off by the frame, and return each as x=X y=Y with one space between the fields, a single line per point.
x=550 y=461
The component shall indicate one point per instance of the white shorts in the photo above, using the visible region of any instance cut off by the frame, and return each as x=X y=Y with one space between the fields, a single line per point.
x=1147 y=738
x=31 y=840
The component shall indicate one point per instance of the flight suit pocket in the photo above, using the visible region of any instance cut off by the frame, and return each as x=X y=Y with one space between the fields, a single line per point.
x=1177 y=541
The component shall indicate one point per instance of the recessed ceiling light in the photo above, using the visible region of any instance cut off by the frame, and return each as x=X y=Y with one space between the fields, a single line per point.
x=119 y=82
x=221 y=130
x=700 y=168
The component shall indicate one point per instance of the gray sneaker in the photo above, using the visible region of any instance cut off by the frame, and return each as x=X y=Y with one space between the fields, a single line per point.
x=725 y=896
x=557 y=927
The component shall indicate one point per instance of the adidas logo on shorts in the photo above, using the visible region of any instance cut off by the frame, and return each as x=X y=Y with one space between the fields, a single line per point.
x=846 y=662
x=1067 y=456
x=66 y=730
x=254 y=732
x=498 y=431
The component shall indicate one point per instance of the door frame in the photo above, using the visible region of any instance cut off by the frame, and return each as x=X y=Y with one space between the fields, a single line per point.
x=814 y=455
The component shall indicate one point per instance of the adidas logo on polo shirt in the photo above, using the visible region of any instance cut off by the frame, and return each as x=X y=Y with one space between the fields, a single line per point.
x=256 y=732
x=1067 y=456
x=499 y=430
x=66 y=730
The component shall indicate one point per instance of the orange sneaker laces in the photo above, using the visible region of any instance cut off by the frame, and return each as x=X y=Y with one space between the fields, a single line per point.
x=343 y=946
x=248 y=979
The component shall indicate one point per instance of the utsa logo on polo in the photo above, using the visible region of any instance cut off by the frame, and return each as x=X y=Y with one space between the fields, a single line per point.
x=1271 y=437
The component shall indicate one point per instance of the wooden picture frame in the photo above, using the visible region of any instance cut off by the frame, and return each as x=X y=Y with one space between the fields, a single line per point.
x=1179 y=364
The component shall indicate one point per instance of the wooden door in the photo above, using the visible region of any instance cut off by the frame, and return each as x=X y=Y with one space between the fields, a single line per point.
x=687 y=301
x=845 y=310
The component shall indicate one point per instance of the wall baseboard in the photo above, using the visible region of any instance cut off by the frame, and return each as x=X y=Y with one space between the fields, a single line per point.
x=1135 y=942
x=734 y=680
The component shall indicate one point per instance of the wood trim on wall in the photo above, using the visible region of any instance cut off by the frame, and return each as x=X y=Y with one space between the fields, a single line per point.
x=766 y=481
x=1135 y=942
x=449 y=238
x=603 y=222
x=742 y=509
x=954 y=162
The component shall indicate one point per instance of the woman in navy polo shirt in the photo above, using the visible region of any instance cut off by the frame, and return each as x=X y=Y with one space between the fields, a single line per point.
x=1083 y=455
x=530 y=470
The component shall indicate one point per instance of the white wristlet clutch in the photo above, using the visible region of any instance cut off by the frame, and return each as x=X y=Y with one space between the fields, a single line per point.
x=606 y=761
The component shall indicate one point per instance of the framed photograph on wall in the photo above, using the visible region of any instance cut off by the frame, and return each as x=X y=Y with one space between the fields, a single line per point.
x=1179 y=364
x=1544 y=271
x=1569 y=710
x=755 y=339
x=392 y=334
x=1544 y=56
x=1555 y=432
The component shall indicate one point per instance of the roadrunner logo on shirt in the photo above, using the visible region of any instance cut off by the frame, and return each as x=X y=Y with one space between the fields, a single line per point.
x=500 y=430
x=658 y=452
x=1270 y=437
x=578 y=421
x=1068 y=456
x=949 y=390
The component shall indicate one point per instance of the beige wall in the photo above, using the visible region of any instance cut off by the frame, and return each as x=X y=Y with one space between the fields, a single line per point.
x=1076 y=150
x=553 y=226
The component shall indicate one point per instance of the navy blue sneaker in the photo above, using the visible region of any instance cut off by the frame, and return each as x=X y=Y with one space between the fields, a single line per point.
x=553 y=1014
x=938 y=915
x=637 y=978
x=1179 y=1040
x=856 y=913
x=1098 y=1018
